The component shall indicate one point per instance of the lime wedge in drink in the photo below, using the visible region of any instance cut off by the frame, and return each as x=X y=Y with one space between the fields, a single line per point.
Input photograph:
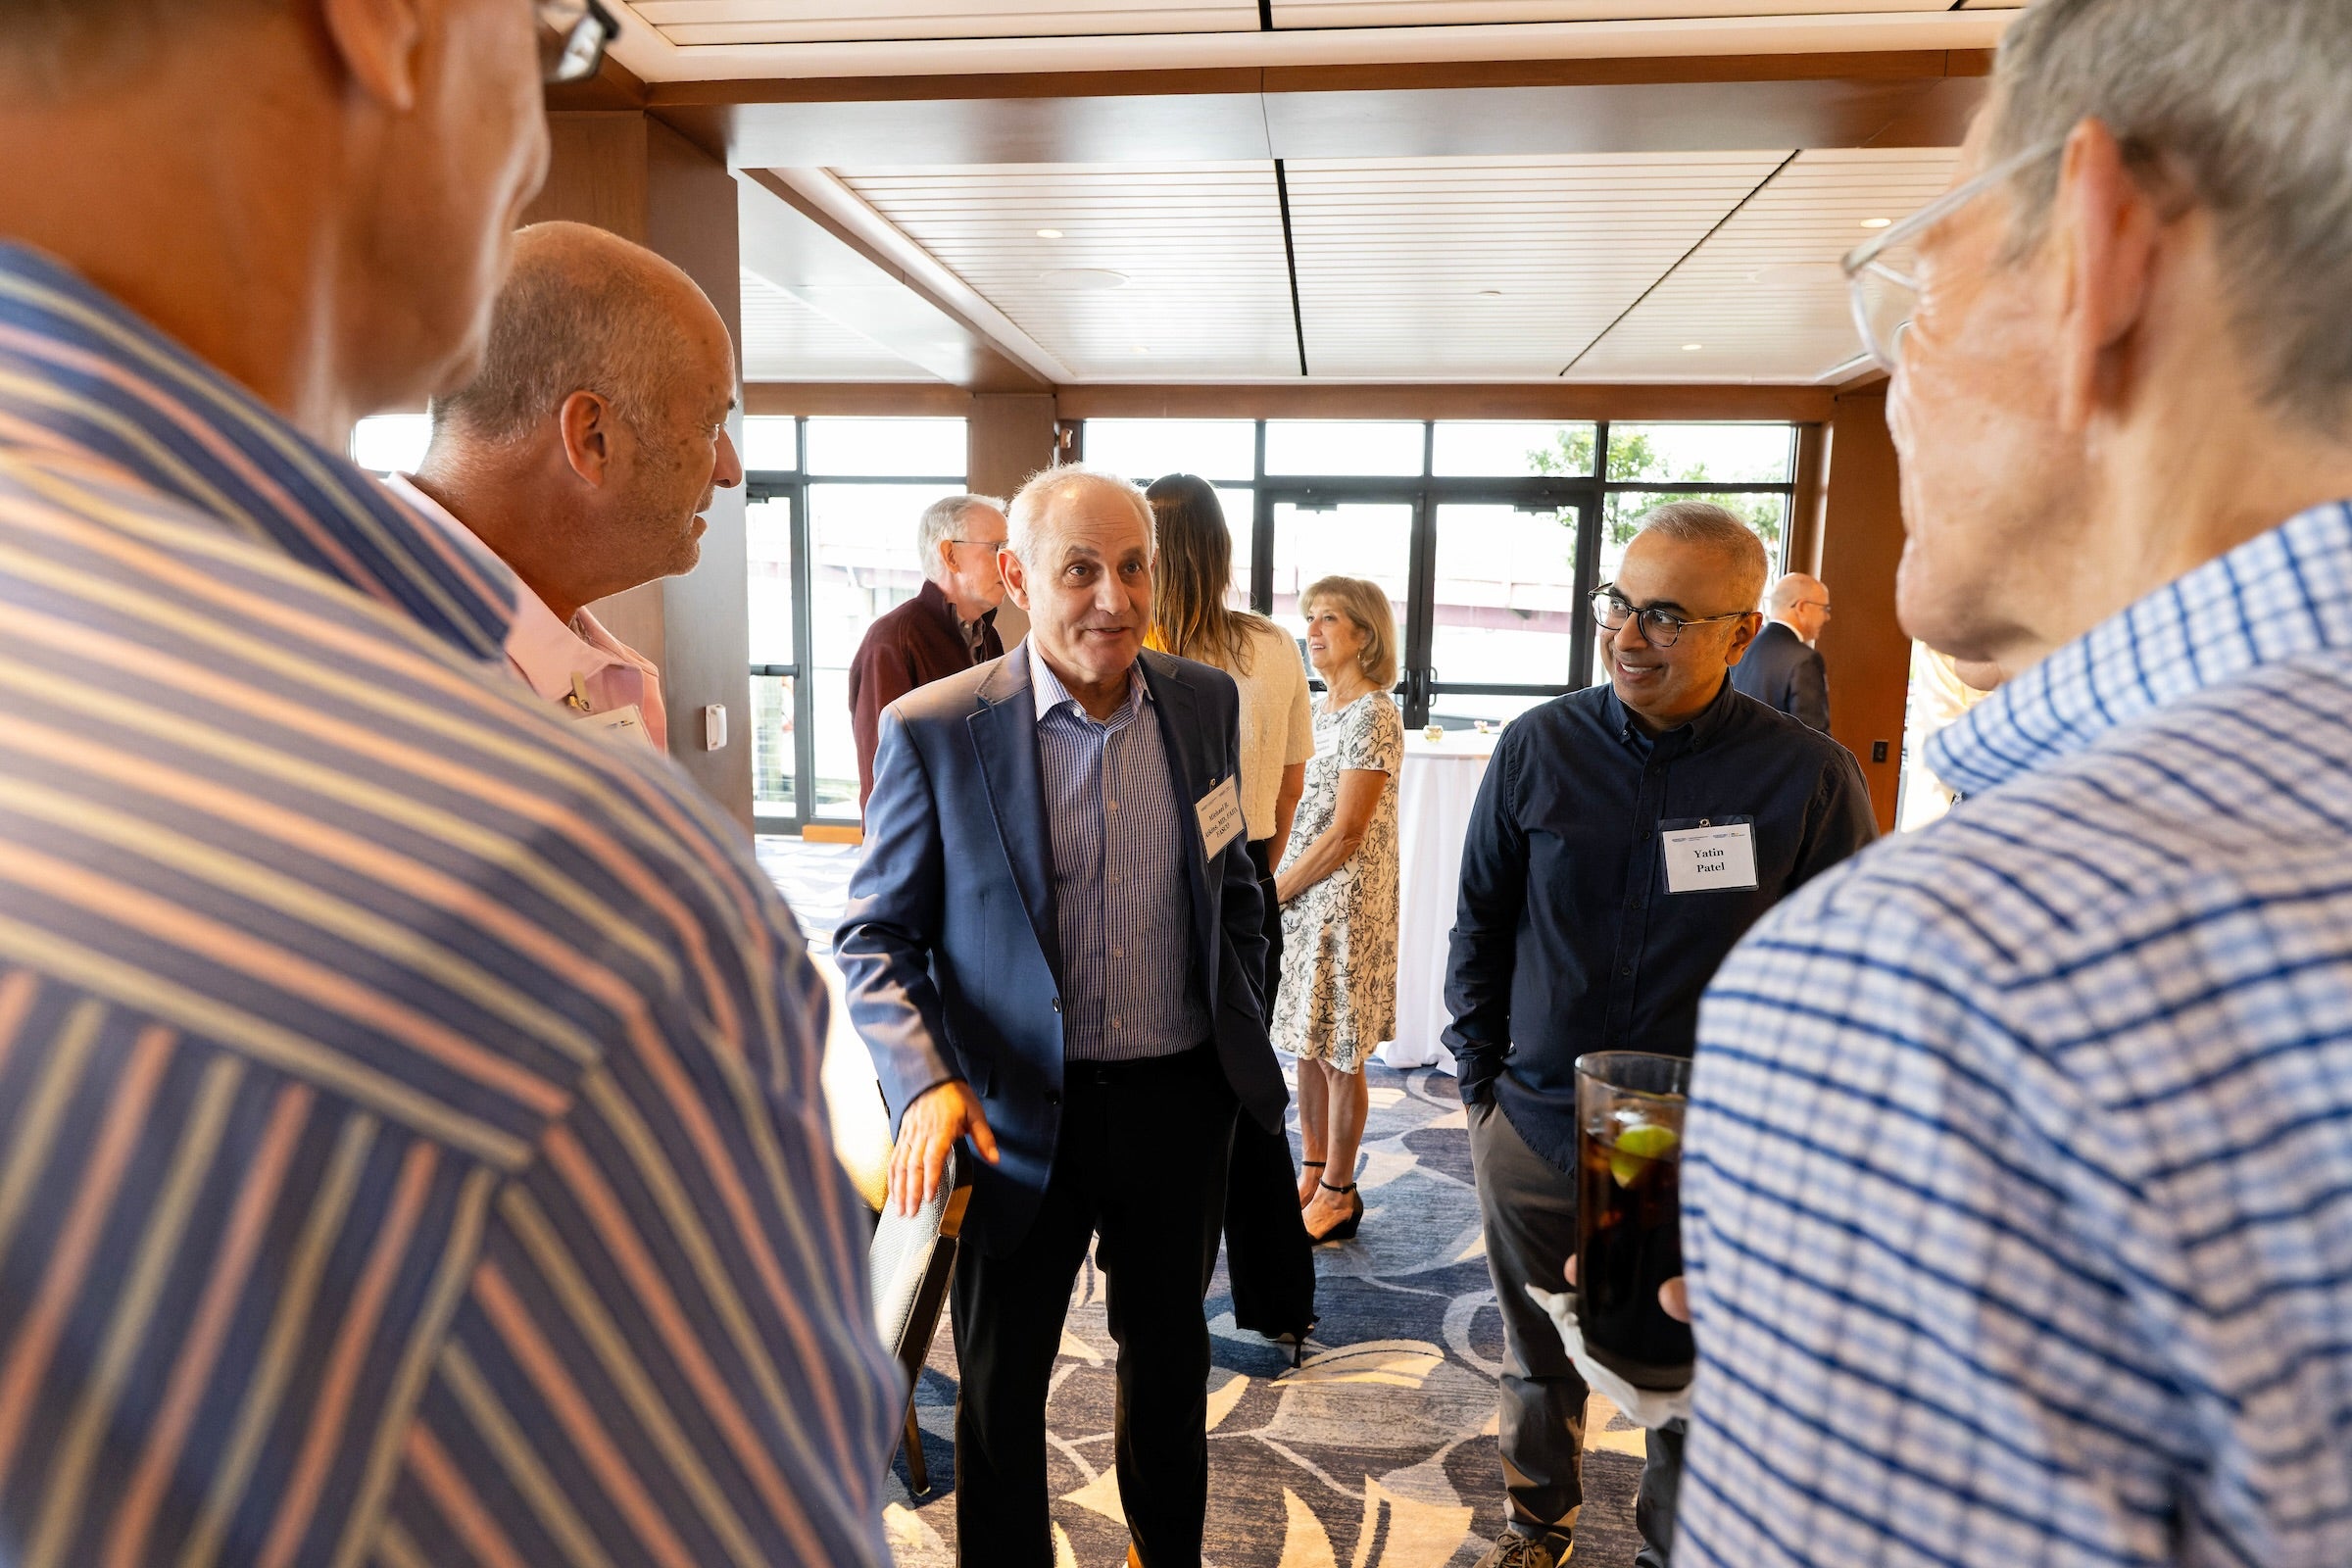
x=1636 y=1146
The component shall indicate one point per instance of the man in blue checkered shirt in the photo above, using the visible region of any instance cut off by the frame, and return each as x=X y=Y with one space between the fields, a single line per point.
x=2019 y=1197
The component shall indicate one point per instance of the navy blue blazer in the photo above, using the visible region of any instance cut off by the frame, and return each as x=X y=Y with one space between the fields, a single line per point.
x=1780 y=670
x=949 y=948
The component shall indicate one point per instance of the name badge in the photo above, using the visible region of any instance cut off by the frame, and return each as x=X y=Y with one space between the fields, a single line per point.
x=1711 y=857
x=1220 y=812
x=629 y=721
x=1326 y=741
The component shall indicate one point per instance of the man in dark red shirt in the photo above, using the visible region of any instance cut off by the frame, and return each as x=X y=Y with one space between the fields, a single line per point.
x=949 y=626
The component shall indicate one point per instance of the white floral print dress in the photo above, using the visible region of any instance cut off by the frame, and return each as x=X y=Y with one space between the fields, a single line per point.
x=1337 y=1000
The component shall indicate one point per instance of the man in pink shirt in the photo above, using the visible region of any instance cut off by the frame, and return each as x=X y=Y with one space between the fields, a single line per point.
x=584 y=454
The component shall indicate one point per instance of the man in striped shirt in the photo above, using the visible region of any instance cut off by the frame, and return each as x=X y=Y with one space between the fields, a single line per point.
x=2019 y=1199
x=411 y=1142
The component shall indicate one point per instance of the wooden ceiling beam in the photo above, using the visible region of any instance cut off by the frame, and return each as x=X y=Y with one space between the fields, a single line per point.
x=1913 y=98
x=1906 y=64
x=1324 y=400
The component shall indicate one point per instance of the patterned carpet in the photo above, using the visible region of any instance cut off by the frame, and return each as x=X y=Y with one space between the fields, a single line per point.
x=1377 y=1452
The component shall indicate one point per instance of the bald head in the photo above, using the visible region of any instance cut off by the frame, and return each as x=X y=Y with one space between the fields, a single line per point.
x=584 y=310
x=1800 y=602
x=595 y=437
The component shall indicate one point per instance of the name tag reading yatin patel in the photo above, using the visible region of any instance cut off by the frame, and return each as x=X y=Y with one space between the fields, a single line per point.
x=1220 y=812
x=1711 y=857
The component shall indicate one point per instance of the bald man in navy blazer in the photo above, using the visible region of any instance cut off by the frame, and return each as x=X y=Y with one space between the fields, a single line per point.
x=1053 y=948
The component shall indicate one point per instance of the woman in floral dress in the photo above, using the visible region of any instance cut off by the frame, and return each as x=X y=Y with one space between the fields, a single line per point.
x=1338 y=891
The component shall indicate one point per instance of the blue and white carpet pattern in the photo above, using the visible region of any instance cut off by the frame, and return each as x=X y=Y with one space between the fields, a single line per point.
x=1377 y=1452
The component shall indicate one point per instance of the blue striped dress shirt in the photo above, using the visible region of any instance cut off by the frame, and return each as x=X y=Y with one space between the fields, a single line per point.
x=2019 y=1204
x=1122 y=898
x=411 y=1148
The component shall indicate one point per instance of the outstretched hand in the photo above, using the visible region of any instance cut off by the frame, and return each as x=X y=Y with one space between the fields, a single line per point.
x=918 y=1161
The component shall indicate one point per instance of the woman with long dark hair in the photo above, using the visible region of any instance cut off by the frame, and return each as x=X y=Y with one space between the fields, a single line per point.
x=1191 y=620
x=1267 y=1255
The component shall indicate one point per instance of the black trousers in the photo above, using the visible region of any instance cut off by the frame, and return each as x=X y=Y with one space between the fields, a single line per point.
x=1141 y=1163
x=1529 y=1210
x=1263 y=861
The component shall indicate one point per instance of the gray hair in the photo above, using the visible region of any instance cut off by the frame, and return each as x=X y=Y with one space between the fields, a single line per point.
x=581 y=310
x=1707 y=525
x=939 y=522
x=1365 y=602
x=1024 y=520
x=2246 y=106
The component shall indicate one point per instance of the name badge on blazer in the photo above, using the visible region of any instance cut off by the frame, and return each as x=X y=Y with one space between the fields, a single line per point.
x=1220 y=813
x=1717 y=856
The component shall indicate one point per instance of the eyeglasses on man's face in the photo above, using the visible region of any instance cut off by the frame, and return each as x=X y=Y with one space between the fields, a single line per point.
x=1885 y=297
x=572 y=36
x=1660 y=627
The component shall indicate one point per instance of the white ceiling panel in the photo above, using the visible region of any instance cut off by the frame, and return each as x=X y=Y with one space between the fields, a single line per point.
x=1493 y=269
x=689 y=22
x=1159 y=274
x=1763 y=299
x=1297 y=13
x=785 y=340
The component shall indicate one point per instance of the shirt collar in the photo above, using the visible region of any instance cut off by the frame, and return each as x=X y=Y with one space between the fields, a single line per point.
x=2280 y=594
x=547 y=651
x=80 y=374
x=1689 y=736
x=1050 y=692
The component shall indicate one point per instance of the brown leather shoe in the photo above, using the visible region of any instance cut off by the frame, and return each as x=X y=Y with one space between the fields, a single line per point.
x=1512 y=1550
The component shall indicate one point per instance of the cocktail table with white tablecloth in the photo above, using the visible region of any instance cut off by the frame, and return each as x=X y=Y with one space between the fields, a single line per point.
x=1435 y=792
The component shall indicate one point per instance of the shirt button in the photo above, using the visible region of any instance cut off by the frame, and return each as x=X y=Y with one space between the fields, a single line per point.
x=1625 y=971
x=1114 y=805
x=1114 y=1023
x=1636 y=904
x=1119 y=953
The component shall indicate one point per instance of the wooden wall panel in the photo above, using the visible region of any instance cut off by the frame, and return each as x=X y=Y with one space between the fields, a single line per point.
x=1861 y=544
x=691 y=219
x=1010 y=437
x=627 y=172
x=596 y=173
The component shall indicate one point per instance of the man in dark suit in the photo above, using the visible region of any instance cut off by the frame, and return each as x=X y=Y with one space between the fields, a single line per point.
x=1053 y=948
x=1782 y=667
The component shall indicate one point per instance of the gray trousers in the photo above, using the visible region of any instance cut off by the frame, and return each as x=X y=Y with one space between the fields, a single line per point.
x=1528 y=1207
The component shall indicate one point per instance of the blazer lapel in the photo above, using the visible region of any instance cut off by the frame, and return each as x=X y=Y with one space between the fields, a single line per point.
x=1181 y=737
x=1004 y=734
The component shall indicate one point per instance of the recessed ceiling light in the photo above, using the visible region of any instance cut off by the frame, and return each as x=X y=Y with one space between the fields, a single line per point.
x=1490 y=293
x=1049 y=233
x=1140 y=349
x=1693 y=348
x=1085 y=280
x=1876 y=222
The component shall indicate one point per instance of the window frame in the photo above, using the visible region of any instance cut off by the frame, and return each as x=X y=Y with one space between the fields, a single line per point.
x=793 y=486
x=1417 y=685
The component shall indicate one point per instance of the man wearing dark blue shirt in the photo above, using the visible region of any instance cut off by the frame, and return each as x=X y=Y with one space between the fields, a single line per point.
x=1572 y=937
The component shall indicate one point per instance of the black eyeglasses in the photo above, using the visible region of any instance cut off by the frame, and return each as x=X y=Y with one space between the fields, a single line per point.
x=1659 y=630
x=572 y=36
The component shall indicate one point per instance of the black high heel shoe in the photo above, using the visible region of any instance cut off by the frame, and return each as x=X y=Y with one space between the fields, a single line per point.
x=1346 y=1229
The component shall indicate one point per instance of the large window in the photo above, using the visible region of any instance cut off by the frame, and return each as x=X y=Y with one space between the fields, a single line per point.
x=1485 y=535
x=832 y=517
x=1224 y=452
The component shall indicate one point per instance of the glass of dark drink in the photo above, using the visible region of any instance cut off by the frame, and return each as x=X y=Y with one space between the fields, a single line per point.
x=1629 y=1184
